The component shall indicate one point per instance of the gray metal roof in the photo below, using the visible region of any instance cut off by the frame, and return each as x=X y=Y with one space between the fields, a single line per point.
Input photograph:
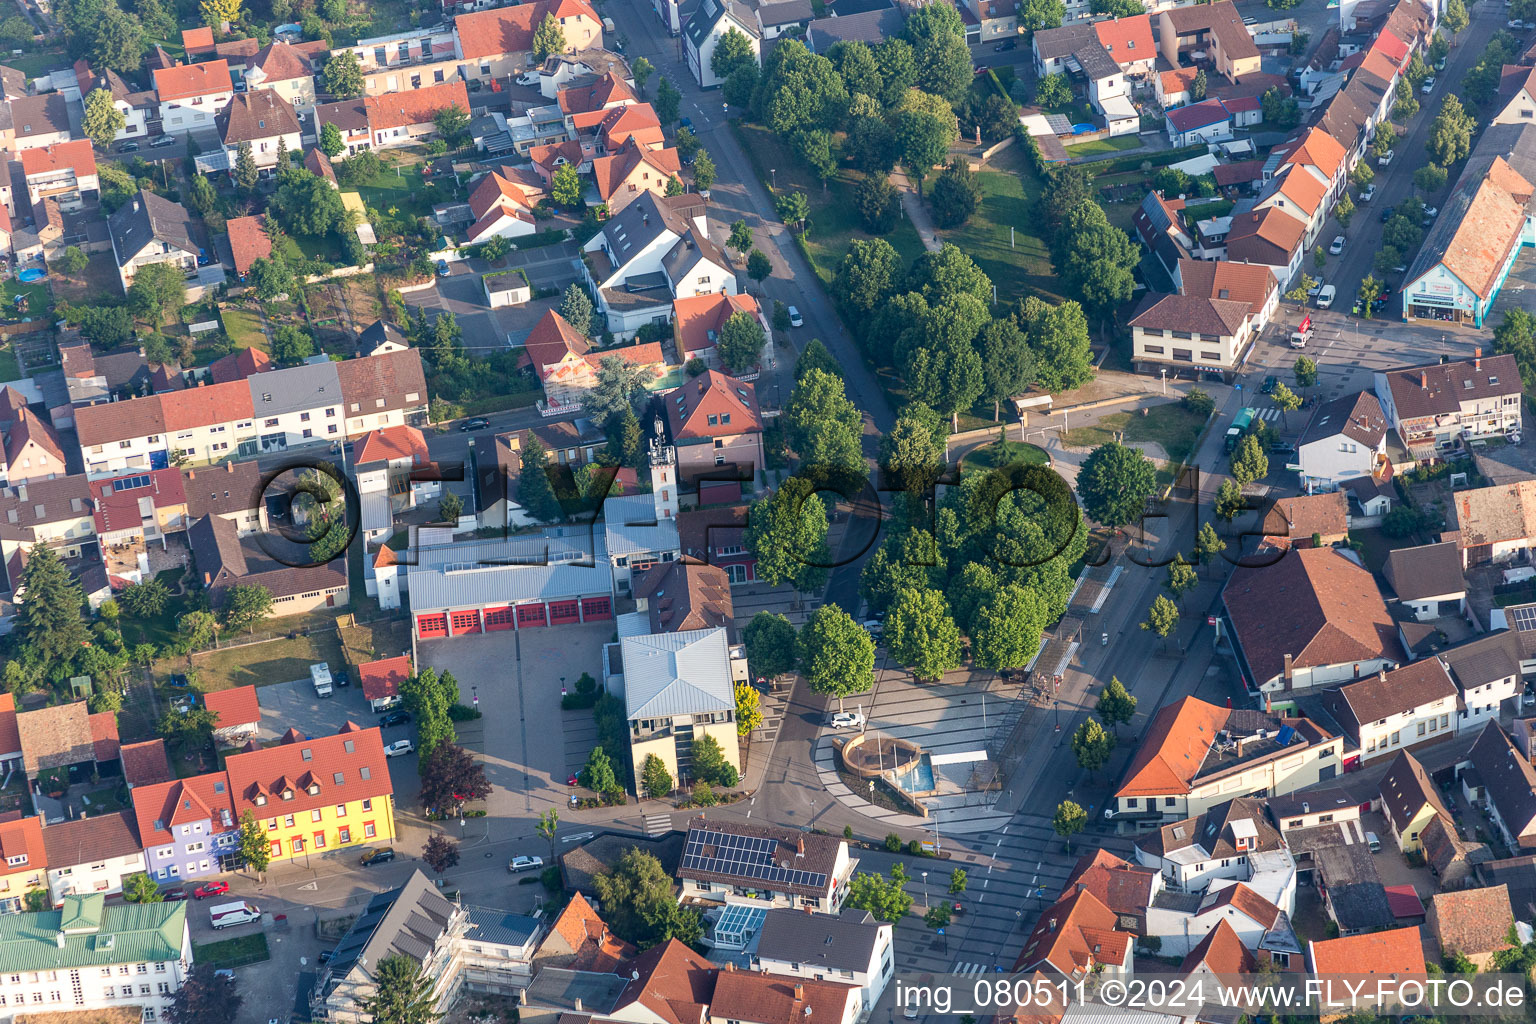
x=666 y=674
x=630 y=527
x=477 y=586
x=500 y=927
x=295 y=389
x=408 y=920
x=845 y=941
x=558 y=545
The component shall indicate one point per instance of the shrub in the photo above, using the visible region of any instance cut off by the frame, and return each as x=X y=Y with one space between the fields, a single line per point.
x=892 y=842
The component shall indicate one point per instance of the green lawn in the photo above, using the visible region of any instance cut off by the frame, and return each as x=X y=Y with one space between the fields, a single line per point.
x=834 y=223
x=1172 y=426
x=10 y=366
x=244 y=329
x=1012 y=453
x=275 y=661
x=159 y=630
x=1017 y=262
x=39 y=301
x=38 y=63
x=402 y=190
x=237 y=952
x=1111 y=145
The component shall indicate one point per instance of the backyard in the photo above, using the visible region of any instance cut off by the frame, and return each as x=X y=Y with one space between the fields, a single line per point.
x=38 y=299
x=10 y=366
x=243 y=326
x=1104 y=147
x=272 y=661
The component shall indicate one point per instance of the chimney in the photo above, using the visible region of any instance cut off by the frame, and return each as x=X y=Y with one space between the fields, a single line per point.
x=229 y=467
x=1240 y=740
x=799 y=991
x=578 y=1004
x=191 y=474
x=800 y=847
x=1424 y=379
x=730 y=965
x=1288 y=670
x=208 y=579
x=1477 y=358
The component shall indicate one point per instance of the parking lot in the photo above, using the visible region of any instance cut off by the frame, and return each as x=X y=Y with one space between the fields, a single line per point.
x=295 y=705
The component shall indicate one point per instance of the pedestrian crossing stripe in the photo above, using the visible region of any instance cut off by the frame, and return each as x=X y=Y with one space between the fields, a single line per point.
x=969 y=968
x=1269 y=414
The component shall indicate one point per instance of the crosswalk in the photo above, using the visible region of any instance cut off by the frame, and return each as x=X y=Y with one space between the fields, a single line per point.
x=1270 y=413
x=969 y=968
x=658 y=824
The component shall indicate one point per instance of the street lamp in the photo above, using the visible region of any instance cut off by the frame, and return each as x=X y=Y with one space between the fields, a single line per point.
x=925 y=890
x=476 y=691
x=1056 y=710
x=562 y=686
x=773 y=175
x=1164 y=372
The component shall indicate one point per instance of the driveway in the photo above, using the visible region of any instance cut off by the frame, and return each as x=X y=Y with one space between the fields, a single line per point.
x=484 y=330
x=548 y=266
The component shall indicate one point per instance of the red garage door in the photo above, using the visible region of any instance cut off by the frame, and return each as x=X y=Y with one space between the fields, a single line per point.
x=530 y=615
x=466 y=622
x=564 y=611
x=498 y=618
x=428 y=626
x=596 y=608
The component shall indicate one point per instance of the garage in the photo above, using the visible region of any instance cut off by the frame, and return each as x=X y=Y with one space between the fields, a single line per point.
x=498 y=618
x=465 y=622
x=530 y=615
x=596 y=608
x=561 y=612
x=429 y=626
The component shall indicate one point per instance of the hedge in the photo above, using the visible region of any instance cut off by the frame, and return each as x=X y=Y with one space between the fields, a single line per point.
x=1134 y=162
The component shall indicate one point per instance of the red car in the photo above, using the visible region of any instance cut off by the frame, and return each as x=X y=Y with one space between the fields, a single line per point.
x=207 y=889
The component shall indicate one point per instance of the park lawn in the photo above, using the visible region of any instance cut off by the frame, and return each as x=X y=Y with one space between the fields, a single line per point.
x=237 y=952
x=1105 y=146
x=1010 y=189
x=1013 y=452
x=273 y=661
x=244 y=329
x=834 y=222
x=1170 y=425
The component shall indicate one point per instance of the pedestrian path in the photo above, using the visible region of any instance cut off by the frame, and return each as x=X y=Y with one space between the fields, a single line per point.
x=961 y=820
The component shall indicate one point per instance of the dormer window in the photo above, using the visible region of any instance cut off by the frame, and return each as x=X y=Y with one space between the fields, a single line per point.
x=287 y=794
x=17 y=860
x=314 y=789
x=261 y=799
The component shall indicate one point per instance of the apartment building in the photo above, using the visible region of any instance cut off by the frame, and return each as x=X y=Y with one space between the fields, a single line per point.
x=406 y=60
x=65 y=171
x=499 y=42
x=91 y=855
x=1439 y=407
x=188 y=827
x=765 y=866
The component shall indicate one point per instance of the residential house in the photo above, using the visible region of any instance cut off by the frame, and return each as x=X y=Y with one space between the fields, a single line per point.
x=1220 y=952
x=698 y=321
x=711 y=21
x=499 y=42
x=1299 y=194
x=149 y=229
x=786 y=16
x=623 y=175
x=122 y=956
x=225 y=559
x=1409 y=801
x=1195 y=755
x=501 y=209
x=237 y=712
x=1224 y=842
x=567 y=366
x=1078 y=936
x=1352 y=893
x=351 y=119
x=1497 y=524
x=873 y=26
x=716 y=536
x=1402 y=708
x=741 y=863
x=394 y=462
x=1307 y=521
x=249 y=242
x=1216 y=29
x=289 y=70
x=678 y=686
x=32 y=450
x=404 y=61
x=1112 y=56
x=1451 y=859
x=1159 y=223
x=1496 y=778
x=1311 y=618
x=64 y=171
x=39 y=120
x=1238 y=282
x=384 y=389
x=1268 y=236
x=189 y=827
x=262 y=119
x=26 y=863
x=655 y=251
x=1206 y=121
x=133 y=512
x=676 y=597
x=714 y=423
x=91 y=855
x=1126 y=889
x=64 y=736
x=381 y=338
x=1190 y=333
x=601 y=132
x=137 y=107
x=404 y=118
x=851 y=948
x=317 y=794
x=579 y=940
x=1345 y=439
x=1322 y=157
x=1427 y=579
x=380 y=681
x=52 y=512
x=1398 y=952
x=1473 y=922
x=1182 y=922
x=231 y=492
x=1487 y=672
x=759 y=998
x=145 y=763
x=191 y=95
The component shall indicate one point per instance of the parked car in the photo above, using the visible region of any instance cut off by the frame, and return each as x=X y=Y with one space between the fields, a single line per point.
x=1368 y=193
x=1006 y=44
x=847 y=720
x=1385 y=160
x=394 y=718
x=1337 y=246
x=1268 y=387
x=520 y=864
x=173 y=896
x=340 y=678
x=1372 y=843
x=443 y=269
x=1326 y=296
x=383 y=855
x=399 y=748
x=1429 y=214
x=208 y=889
x=1316 y=289
x=1440 y=64
x=1428 y=86
x=128 y=147
x=529 y=77
x=163 y=141
x=477 y=423
x=1386 y=214
x=795 y=319
x=1517 y=24
x=1282 y=448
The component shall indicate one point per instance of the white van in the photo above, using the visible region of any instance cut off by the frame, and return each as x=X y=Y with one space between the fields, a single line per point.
x=1326 y=296
x=227 y=915
x=608 y=25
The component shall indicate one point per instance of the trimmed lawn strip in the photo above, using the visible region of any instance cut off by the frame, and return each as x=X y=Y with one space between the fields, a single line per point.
x=10 y=366
x=1097 y=146
x=986 y=457
x=1170 y=425
x=237 y=952
x=244 y=329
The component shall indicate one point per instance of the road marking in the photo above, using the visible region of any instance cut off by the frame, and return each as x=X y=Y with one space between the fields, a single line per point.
x=309 y=887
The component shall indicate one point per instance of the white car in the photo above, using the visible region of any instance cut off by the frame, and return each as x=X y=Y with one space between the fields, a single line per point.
x=1385 y=160
x=528 y=78
x=399 y=748
x=1368 y=193
x=1428 y=86
x=848 y=720
x=1337 y=246
x=1517 y=24
x=520 y=864
x=795 y=319
x=1430 y=212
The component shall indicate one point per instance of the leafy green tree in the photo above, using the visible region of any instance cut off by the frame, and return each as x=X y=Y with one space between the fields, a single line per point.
x=1455 y=18
x=331 y=142
x=938 y=915
x=957 y=880
x=255 y=850
x=1229 y=500
x=771 y=645
x=787 y=534
x=598 y=774
x=1286 y=400
x=1006 y=631
x=157 y=290
x=1092 y=746
x=1116 y=707
x=566 y=187
x=452 y=122
x=449 y=507
x=1370 y=288
x=885 y=898
x=344 y=75
x=866 y=278
x=548 y=38
x=548 y=826
x=749 y=709
x=1516 y=336
x=118 y=42
x=1096 y=259
x=292 y=345
x=1209 y=546
x=1058 y=337
x=1035 y=15
x=1304 y=370
x=246 y=606
x=1162 y=617
x=618 y=385
x=711 y=765
x=822 y=426
x=759 y=266
x=732 y=51
x=402 y=993
x=792 y=208
x=1450 y=133
x=1068 y=821
x=49 y=629
x=955 y=195
x=205 y=997
x=1181 y=578
x=625 y=445
x=102 y=120
x=1344 y=210
x=1249 y=463
x=655 y=780
x=923 y=133
x=638 y=903
x=741 y=237
x=641 y=69
x=140 y=888
x=576 y=308
x=667 y=100
x=1430 y=178
x=534 y=491
x=741 y=342
x=837 y=656
x=306 y=204
x=145 y=600
x=1280 y=111
x=272 y=277
x=922 y=635
x=1114 y=484
x=1052 y=92
x=246 y=173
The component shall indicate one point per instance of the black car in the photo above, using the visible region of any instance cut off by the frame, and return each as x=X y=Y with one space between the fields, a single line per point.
x=478 y=423
x=128 y=147
x=1006 y=44
x=1282 y=448
x=380 y=856
x=1269 y=385
x=340 y=679
x=394 y=718
x=173 y=896
x=1386 y=214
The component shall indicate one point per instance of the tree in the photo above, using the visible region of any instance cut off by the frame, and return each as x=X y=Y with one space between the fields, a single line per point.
x=822 y=426
x=732 y=51
x=118 y=41
x=1304 y=370
x=638 y=904
x=1117 y=8
x=922 y=635
x=1035 y=15
x=402 y=994
x=741 y=342
x=957 y=880
x=741 y=237
x=1450 y=133
x=771 y=645
x=1114 y=484
x=48 y=623
x=1229 y=500
x=565 y=190
x=1092 y=746
x=440 y=853
x=1058 y=337
x=292 y=345
x=246 y=605
x=158 y=289
x=217 y=14
x=1286 y=400
x=1516 y=336
x=450 y=777
x=1406 y=104
x=944 y=66
x=667 y=99
x=452 y=122
x=1249 y=463
x=344 y=76
x=102 y=120
x=1304 y=284
x=837 y=656
x=246 y=173
x=548 y=38
x=576 y=307
x=272 y=277
x=1162 y=617
x=885 y=898
x=548 y=826
x=1116 y=707
x=787 y=534
x=1370 y=288
x=1455 y=18
x=306 y=204
x=703 y=171
x=866 y=278
x=255 y=850
x=1053 y=91
x=640 y=70
x=792 y=208
x=534 y=491
x=618 y=382
x=938 y=915
x=1198 y=86
x=1430 y=178
x=955 y=195
x=1005 y=632
x=145 y=600
x=655 y=780
x=1208 y=546
x=1344 y=210
x=1281 y=111
x=140 y=888
x=598 y=774
x=1068 y=821
x=711 y=765
x=749 y=709
x=1181 y=578
x=206 y=996
x=1096 y=259
x=923 y=136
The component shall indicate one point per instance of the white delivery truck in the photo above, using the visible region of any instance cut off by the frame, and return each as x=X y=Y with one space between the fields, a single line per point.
x=321 y=674
x=227 y=915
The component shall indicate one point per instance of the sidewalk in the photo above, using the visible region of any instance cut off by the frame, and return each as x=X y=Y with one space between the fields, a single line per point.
x=916 y=212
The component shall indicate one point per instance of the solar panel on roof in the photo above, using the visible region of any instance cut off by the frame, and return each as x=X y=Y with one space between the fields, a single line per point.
x=1525 y=618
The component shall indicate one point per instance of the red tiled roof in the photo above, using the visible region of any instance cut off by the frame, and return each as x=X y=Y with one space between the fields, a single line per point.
x=645 y=354
x=117 y=507
x=1073 y=936
x=772 y=999
x=1198 y=115
x=1399 y=951
x=381 y=679
x=190 y=80
x=551 y=341
x=595 y=95
x=494 y=198
x=10 y=738
x=419 y=106
x=549 y=155
x=611 y=172
x=28 y=427
x=509 y=30
x=671 y=981
x=179 y=801
x=1404 y=901
x=146 y=763
x=712 y=394
x=1127 y=39
x=266 y=773
x=1220 y=952
x=390 y=444
x=104 y=738
x=23 y=837
x=1173 y=748
x=77 y=155
x=237 y=706
x=240 y=364
x=248 y=238
x=197 y=41
x=593 y=945
x=206 y=405
x=636 y=121
x=696 y=316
